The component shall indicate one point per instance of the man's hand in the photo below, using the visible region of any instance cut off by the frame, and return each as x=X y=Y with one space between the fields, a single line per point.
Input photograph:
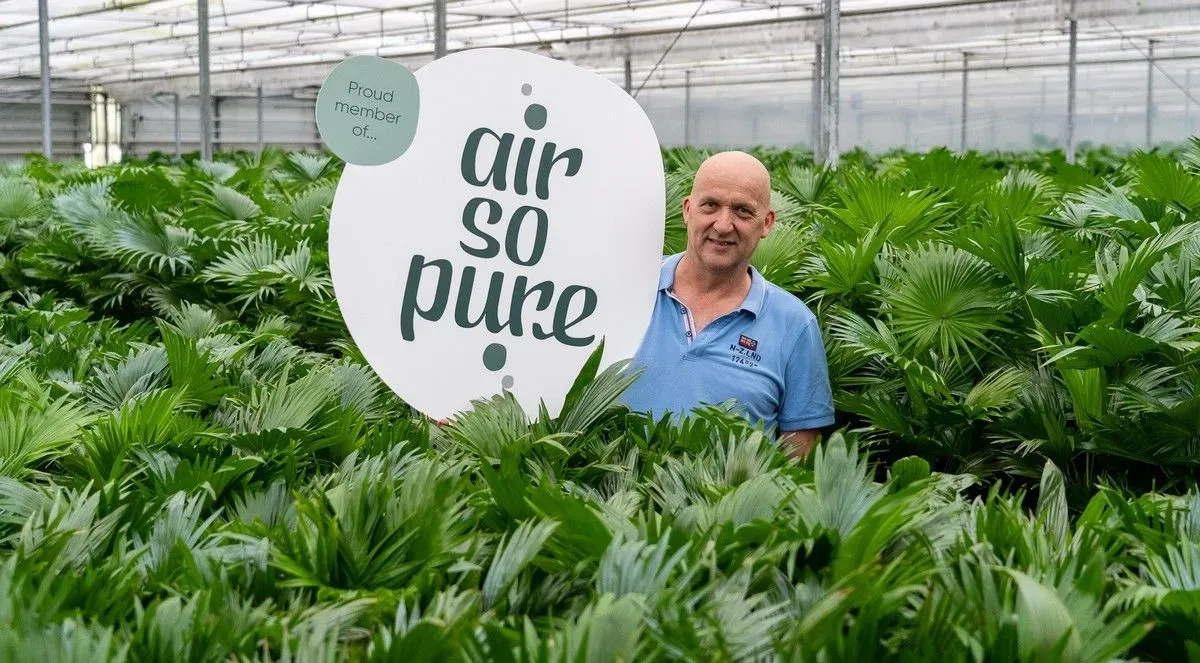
x=799 y=443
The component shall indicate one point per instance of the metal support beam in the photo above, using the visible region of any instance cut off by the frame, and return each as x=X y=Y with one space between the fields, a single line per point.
x=260 y=120
x=687 y=108
x=178 y=151
x=628 y=72
x=955 y=20
x=920 y=115
x=205 y=93
x=439 y=29
x=829 y=83
x=815 y=121
x=104 y=125
x=1187 y=102
x=44 y=48
x=1150 y=96
x=1072 y=57
x=965 y=72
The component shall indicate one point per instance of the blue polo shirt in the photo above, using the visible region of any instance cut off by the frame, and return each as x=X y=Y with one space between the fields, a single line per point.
x=767 y=355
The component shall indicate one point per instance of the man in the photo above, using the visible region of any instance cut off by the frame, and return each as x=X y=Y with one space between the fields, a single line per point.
x=721 y=331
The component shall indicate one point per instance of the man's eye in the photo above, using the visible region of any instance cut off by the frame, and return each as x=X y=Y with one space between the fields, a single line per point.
x=744 y=212
x=708 y=205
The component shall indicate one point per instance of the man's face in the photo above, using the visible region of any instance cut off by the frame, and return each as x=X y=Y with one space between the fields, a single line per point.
x=726 y=216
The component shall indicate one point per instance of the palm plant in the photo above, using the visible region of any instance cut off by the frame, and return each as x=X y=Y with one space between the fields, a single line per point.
x=199 y=465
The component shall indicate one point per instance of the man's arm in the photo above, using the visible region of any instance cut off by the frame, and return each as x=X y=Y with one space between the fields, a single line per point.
x=798 y=443
x=806 y=406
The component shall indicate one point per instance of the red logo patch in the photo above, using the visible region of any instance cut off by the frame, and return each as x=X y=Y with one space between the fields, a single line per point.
x=748 y=343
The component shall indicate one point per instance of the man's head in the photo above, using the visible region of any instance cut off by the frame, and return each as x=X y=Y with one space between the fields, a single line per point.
x=728 y=212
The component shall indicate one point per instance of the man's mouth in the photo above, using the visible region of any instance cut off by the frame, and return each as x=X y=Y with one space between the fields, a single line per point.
x=722 y=242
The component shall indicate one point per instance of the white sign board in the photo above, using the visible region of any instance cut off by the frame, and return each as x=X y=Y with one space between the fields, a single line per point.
x=522 y=226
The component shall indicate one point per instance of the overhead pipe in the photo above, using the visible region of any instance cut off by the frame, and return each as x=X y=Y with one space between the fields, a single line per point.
x=652 y=32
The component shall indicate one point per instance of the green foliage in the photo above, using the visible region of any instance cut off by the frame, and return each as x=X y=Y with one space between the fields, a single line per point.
x=197 y=465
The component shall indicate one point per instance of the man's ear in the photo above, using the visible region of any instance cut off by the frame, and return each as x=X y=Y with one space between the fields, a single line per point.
x=687 y=208
x=770 y=223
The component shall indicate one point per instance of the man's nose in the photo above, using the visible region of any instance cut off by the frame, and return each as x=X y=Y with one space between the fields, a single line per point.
x=724 y=222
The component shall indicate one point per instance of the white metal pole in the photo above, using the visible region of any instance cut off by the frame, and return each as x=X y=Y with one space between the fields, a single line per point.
x=44 y=48
x=920 y=114
x=178 y=151
x=1150 y=97
x=205 y=93
x=815 y=122
x=1071 y=65
x=104 y=114
x=1187 y=102
x=260 y=120
x=830 y=93
x=687 y=108
x=628 y=72
x=965 y=71
x=439 y=29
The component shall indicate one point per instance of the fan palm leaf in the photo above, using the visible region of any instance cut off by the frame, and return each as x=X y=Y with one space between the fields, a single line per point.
x=943 y=298
x=810 y=185
x=1163 y=179
x=899 y=214
x=20 y=206
x=307 y=168
x=32 y=433
x=781 y=254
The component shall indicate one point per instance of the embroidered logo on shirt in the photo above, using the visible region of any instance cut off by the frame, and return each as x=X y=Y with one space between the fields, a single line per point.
x=748 y=343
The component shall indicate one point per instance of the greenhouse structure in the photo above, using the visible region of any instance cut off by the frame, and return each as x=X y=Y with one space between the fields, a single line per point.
x=167 y=75
x=600 y=331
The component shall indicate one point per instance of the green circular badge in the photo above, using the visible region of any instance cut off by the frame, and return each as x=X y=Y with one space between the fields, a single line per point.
x=367 y=110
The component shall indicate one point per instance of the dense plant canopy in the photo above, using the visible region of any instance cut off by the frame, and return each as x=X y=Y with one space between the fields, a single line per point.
x=197 y=465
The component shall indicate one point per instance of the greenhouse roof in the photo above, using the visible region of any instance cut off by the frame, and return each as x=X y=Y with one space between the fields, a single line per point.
x=136 y=49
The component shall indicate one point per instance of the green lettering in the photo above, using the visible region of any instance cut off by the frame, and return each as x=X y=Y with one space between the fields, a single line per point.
x=521 y=292
x=491 y=305
x=560 y=315
x=491 y=246
x=499 y=162
x=574 y=157
x=409 y=305
x=513 y=236
x=524 y=156
x=463 y=303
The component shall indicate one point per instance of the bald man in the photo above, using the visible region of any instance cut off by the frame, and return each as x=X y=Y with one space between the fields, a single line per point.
x=719 y=330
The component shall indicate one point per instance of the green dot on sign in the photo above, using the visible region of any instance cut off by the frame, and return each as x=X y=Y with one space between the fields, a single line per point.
x=494 y=357
x=535 y=116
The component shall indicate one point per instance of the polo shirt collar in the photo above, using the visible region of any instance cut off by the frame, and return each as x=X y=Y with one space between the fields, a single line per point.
x=753 y=302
